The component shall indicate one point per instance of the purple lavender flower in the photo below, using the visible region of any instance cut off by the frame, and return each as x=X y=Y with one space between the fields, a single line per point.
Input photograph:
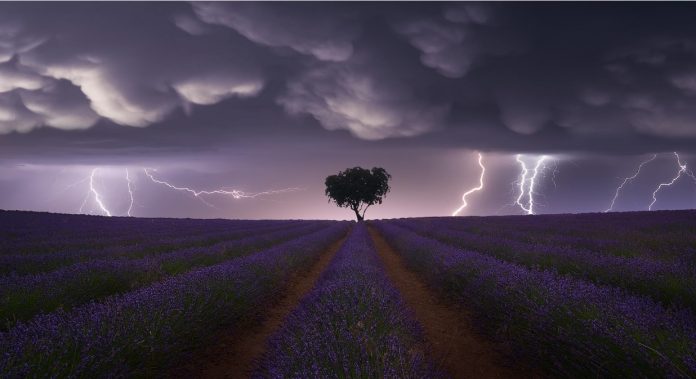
x=570 y=326
x=352 y=324
x=144 y=329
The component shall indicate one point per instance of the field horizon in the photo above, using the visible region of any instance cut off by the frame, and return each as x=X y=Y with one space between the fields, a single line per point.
x=348 y=218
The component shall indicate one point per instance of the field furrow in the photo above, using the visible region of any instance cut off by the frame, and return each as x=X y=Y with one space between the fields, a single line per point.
x=569 y=326
x=453 y=342
x=353 y=324
x=146 y=329
x=21 y=264
x=23 y=297
x=233 y=352
x=668 y=281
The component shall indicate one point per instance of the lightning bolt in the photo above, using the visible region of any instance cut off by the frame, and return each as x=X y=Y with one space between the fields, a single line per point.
x=682 y=170
x=130 y=193
x=97 y=197
x=236 y=194
x=628 y=179
x=475 y=189
x=522 y=181
x=532 y=183
x=691 y=174
x=532 y=180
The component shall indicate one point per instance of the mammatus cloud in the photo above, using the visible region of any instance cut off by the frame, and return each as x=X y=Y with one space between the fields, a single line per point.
x=15 y=77
x=30 y=100
x=61 y=105
x=215 y=88
x=369 y=105
x=447 y=42
x=319 y=29
x=650 y=89
x=453 y=40
x=524 y=117
x=133 y=76
x=504 y=73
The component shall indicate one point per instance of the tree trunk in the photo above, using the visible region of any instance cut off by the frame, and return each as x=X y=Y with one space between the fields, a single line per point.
x=358 y=215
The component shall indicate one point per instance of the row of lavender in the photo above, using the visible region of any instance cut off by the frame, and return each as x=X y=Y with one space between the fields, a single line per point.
x=144 y=329
x=21 y=264
x=22 y=297
x=353 y=324
x=121 y=233
x=570 y=326
x=662 y=234
x=669 y=281
x=31 y=232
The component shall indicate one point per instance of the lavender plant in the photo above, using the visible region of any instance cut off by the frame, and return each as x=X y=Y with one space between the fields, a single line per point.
x=353 y=324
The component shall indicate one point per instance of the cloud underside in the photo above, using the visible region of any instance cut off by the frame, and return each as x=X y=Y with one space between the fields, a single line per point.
x=378 y=71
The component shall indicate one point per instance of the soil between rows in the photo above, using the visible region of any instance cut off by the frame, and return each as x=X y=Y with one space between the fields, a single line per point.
x=452 y=341
x=234 y=353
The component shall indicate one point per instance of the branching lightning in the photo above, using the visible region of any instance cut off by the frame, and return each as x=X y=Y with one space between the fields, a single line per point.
x=475 y=189
x=628 y=179
x=94 y=194
x=526 y=185
x=97 y=197
x=682 y=170
x=522 y=181
x=236 y=194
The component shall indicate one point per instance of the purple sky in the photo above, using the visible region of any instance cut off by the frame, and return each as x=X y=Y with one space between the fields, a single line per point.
x=261 y=97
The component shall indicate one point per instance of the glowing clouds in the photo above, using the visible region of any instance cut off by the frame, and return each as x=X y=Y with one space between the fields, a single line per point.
x=207 y=91
x=61 y=106
x=368 y=105
x=328 y=37
x=135 y=75
x=12 y=77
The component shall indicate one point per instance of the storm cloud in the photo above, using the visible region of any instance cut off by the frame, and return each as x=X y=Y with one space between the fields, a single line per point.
x=514 y=76
x=262 y=96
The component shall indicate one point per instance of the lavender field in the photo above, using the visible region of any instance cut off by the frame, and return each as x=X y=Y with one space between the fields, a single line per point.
x=601 y=295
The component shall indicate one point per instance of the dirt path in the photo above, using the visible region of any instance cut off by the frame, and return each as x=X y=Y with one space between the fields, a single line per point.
x=448 y=330
x=234 y=353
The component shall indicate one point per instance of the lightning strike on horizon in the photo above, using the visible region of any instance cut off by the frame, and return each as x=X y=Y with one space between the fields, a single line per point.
x=97 y=197
x=532 y=183
x=628 y=179
x=682 y=170
x=475 y=189
x=236 y=194
x=523 y=180
x=130 y=193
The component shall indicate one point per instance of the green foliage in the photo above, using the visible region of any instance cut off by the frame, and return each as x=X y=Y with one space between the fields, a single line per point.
x=358 y=188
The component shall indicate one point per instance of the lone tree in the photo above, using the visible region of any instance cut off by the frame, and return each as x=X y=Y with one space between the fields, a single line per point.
x=358 y=188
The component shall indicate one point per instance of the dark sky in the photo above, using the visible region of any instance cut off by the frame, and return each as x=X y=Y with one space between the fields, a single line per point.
x=276 y=96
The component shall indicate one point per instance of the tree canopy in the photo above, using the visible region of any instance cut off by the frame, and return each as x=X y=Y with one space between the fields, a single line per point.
x=358 y=188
